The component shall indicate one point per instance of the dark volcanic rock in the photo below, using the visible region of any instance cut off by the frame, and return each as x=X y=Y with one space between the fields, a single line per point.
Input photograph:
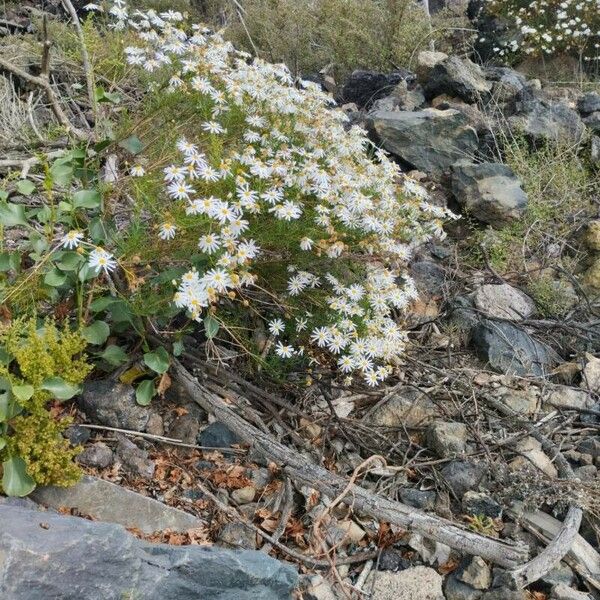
x=430 y=140
x=510 y=349
x=364 y=87
x=457 y=77
x=463 y=475
x=112 y=403
x=491 y=192
x=48 y=555
x=97 y=456
x=217 y=435
x=588 y=103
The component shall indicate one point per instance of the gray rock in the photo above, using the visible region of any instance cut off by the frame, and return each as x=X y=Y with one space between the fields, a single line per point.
x=561 y=573
x=463 y=476
x=401 y=98
x=511 y=350
x=218 y=435
x=479 y=503
x=96 y=456
x=491 y=192
x=504 y=594
x=415 y=583
x=260 y=477
x=135 y=460
x=77 y=435
x=75 y=559
x=236 y=535
x=457 y=77
x=549 y=123
x=392 y=560
x=364 y=87
x=588 y=103
x=507 y=83
x=563 y=396
x=447 y=437
x=107 y=501
x=408 y=407
x=155 y=425
x=112 y=403
x=595 y=149
x=244 y=495
x=423 y=499
x=429 y=140
x=593 y=122
x=185 y=428
x=429 y=276
x=586 y=472
x=530 y=449
x=503 y=301
x=564 y=592
x=457 y=590
x=426 y=62
x=476 y=573
x=590 y=445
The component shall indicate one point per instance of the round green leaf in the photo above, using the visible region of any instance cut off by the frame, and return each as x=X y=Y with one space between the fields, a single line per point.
x=211 y=327
x=25 y=187
x=158 y=360
x=59 y=388
x=97 y=333
x=132 y=144
x=87 y=199
x=54 y=278
x=145 y=392
x=61 y=174
x=15 y=480
x=12 y=214
x=114 y=355
x=22 y=392
x=69 y=261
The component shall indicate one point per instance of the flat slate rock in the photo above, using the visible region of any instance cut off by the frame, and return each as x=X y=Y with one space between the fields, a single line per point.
x=45 y=555
x=106 y=501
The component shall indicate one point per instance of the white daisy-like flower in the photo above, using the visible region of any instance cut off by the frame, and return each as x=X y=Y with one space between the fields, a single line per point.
x=306 y=243
x=101 y=260
x=72 y=239
x=167 y=231
x=284 y=351
x=137 y=171
x=209 y=243
x=213 y=127
x=276 y=326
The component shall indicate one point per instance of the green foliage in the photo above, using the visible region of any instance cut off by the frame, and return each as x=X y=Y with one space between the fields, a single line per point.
x=39 y=365
x=553 y=298
x=309 y=35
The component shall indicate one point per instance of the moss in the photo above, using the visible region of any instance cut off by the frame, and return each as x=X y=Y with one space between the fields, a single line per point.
x=35 y=434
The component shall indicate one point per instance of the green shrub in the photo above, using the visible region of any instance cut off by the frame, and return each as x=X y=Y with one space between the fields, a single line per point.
x=308 y=35
x=38 y=366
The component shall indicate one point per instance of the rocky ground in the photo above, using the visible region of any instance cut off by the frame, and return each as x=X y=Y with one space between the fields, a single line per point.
x=492 y=422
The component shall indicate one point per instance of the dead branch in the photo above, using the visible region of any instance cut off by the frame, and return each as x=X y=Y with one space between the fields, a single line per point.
x=85 y=58
x=297 y=467
x=44 y=84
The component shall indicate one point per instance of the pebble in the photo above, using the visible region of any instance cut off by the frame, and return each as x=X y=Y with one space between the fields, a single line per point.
x=96 y=456
x=243 y=495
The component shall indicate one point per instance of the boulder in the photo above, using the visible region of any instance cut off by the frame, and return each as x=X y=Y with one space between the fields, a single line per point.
x=426 y=62
x=48 y=555
x=507 y=84
x=511 y=350
x=491 y=192
x=543 y=122
x=401 y=98
x=407 y=408
x=457 y=77
x=447 y=437
x=429 y=140
x=593 y=122
x=588 y=103
x=364 y=87
x=464 y=475
x=107 y=501
x=111 y=403
x=503 y=301
x=415 y=583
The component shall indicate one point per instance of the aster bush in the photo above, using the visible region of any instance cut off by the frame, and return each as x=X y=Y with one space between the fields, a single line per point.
x=551 y=27
x=250 y=205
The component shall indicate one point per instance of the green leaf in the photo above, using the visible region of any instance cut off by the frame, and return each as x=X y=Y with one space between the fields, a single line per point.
x=211 y=327
x=15 y=479
x=61 y=173
x=132 y=144
x=2 y=443
x=55 y=278
x=5 y=357
x=97 y=230
x=3 y=195
x=114 y=355
x=5 y=398
x=145 y=392
x=178 y=348
x=97 y=333
x=69 y=261
x=102 y=303
x=59 y=388
x=104 y=96
x=87 y=199
x=158 y=360
x=25 y=187
x=22 y=392
x=12 y=214
x=9 y=261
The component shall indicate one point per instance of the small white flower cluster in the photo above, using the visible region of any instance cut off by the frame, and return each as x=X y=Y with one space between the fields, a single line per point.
x=552 y=27
x=99 y=259
x=295 y=160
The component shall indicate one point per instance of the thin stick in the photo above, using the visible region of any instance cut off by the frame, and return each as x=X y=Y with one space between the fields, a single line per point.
x=159 y=438
x=44 y=83
x=85 y=58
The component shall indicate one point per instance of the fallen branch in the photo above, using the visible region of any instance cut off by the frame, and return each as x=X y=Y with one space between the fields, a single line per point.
x=44 y=83
x=297 y=467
